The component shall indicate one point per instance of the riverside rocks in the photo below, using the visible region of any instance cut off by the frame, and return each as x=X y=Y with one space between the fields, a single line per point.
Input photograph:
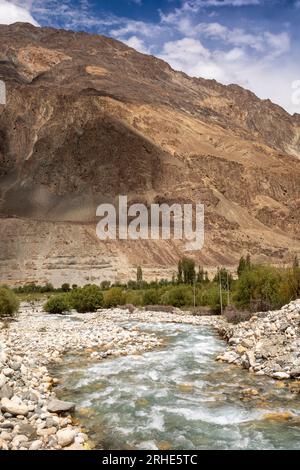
x=31 y=417
x=59 y=406
x=267 y=344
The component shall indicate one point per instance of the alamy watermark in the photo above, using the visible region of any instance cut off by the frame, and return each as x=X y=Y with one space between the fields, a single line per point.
x=2 y=92
x=159 y=221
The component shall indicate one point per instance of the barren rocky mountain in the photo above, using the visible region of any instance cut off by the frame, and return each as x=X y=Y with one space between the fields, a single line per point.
x=88 y=118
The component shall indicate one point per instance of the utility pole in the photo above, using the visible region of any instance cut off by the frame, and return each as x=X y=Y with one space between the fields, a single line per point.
x=221 y=299
x=194 y=292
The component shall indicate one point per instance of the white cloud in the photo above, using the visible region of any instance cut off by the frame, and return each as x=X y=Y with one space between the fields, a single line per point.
x=190 y=56
x=137 y=44
x=266 y=75
x=136 y=27
x=13 y=13
x=226 y=3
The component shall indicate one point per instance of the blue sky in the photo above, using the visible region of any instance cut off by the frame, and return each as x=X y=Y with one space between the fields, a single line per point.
x=255 y=43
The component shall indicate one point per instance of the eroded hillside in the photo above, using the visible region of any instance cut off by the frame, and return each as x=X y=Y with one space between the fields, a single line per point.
x=88 y=118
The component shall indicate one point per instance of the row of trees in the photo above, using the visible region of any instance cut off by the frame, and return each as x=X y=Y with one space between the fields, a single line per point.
x=255 y=288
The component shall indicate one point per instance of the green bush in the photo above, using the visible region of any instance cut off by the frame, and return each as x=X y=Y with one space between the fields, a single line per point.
x=151 y=297
x=114 y=297
x=57 y=304
x=86 y=299
x=66 y=287
x=180 y=296
x=259 y=288
x=9 y=304
x=105 y=285
x=134 y=297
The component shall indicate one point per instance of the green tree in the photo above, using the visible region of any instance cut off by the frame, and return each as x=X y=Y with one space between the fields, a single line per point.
x=293 y=278
x=139 y=275
x=57 y=304
x=226 y=278
x=179 y=274
x=114 y=296
x=241 y=267
x=259 y=288
x=105 y=285
x=296 y=263
x=200 y=275
x=9 y=304
x=151 y=297
x=86 y=299
x=248 y=262
x=134 y=297
x=189 y=272
x=178 y=296
x=66 y=287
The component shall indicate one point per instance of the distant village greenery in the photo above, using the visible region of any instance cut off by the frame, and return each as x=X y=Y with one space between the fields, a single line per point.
x=252 y=288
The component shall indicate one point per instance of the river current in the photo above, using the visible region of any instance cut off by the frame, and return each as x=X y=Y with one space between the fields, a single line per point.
x=179 y=397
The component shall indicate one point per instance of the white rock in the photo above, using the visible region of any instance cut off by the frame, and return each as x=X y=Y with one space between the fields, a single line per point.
x=36 y=445
x=280 y=375
x=65 y=437
x=8 y=372
x=2 y=380
x=13 y=408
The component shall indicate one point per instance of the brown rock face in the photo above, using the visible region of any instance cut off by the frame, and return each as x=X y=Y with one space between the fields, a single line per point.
x=88 y=118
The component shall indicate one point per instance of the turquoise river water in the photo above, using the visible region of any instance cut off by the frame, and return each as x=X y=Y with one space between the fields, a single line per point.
x=179 y=397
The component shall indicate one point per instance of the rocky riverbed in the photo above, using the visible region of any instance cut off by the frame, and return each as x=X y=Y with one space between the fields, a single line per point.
x=31 y=417
x=267 y=344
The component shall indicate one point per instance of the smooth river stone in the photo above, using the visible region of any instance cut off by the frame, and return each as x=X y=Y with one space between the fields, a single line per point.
x=59 y=406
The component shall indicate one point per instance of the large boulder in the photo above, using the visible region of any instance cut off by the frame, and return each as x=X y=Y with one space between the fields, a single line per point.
x=13 y=407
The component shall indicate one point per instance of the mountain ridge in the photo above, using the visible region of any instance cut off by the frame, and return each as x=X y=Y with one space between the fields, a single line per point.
x=88 y=118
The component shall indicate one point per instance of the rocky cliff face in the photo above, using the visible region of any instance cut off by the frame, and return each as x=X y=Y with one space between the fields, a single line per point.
x=88 y=118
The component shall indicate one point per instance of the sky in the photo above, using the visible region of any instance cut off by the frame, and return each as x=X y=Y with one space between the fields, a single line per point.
x=254 y=43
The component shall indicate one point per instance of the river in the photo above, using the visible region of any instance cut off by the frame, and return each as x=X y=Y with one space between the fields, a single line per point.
x=179 y=397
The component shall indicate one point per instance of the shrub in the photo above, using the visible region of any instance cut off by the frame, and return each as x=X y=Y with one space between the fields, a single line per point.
x=178 y=297
x=47 y=288
x=114 y=297
x=66 y=287
x=258 y=288
x=9 y=304
x=236 y=316
x=290 y=287
x=134 y=297
x=151 y=297
x=57 y=304
x=210 y=296
x=86 y=299
x=105 y=285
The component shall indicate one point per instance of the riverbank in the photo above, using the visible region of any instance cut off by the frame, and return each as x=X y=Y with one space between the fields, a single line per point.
x=178 y=397
x=31 y=417
x=267 y=344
